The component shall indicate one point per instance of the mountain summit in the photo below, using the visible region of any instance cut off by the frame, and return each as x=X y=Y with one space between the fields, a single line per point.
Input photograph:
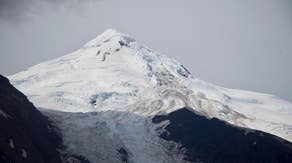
x=116 y=100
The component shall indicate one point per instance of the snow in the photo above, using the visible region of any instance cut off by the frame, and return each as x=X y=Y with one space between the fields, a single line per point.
x=3 y=114
x=23 y=153
x=11 y=143
x=116 y=74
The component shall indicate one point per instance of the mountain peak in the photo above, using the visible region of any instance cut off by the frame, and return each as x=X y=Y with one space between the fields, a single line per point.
x=112 y=31
x=107 y=35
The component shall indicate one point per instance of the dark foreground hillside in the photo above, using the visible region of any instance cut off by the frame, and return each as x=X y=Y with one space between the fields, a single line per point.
x=214 y=141
x=24 y=132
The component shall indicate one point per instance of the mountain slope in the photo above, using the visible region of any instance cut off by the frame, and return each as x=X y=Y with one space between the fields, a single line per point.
x=24 y=133
x=127 y=84
x=212 y=140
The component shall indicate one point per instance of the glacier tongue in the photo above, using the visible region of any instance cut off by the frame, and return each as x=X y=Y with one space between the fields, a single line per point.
x=114 y=72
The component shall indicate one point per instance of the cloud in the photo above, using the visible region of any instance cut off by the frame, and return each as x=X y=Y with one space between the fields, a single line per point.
x=19 y=10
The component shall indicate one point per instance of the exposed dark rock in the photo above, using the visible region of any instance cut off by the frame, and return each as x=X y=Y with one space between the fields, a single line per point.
x=25 y=134
x=186 y=69
x=124 y=155
x=108 y=40
x=214 y=141
x=122 y=43
x=183 y=72
x=98 y=52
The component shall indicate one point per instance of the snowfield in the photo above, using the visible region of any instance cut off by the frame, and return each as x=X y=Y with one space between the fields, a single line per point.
x=110 y=88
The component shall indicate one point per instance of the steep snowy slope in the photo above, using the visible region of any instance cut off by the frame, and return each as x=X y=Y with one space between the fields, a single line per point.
x=125 y=81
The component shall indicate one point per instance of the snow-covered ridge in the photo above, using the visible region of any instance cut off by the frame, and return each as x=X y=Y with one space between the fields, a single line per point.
x=116 y=72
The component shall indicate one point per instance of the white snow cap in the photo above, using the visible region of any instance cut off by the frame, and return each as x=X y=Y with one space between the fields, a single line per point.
x=106 y=35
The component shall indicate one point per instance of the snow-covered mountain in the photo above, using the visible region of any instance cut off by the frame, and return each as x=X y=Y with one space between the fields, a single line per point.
x=109 y=98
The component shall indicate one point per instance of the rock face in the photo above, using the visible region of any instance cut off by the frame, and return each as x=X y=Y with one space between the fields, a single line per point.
x=25 y=134
x=214 y=141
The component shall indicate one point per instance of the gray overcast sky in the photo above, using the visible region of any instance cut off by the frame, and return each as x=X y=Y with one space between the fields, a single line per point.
x=245 y=44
